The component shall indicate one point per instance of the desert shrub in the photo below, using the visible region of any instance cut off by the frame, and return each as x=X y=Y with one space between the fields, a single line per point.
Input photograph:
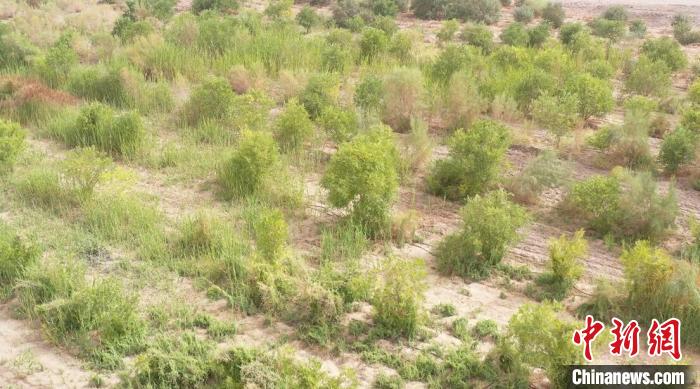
x=212 y=100
x=341 y=124
x=55 y=66
x=545 y=340
x=293 y=127
x=616 y=12
x=666 y=50
x=691 y=120
x=308 y=18
x=444 y=310
x=485 y=328
x=369 y=94
x=557 y=114
x=14 y=50
x=451 y=59
x=479 y=36
x=384 y=381
x=554 y=14
x=401 y=46
x=128 y=26
x=595 y=97
x=270 y=232
x=569 y=31
x=373 y=42
x=16 y=256
x=545 y=171
x=479 y=246
x=398 y=298
x=515 y=35
x=428 y=9
x=214 y=5
x=347 y=12
x=101 y=85
x=691 y=250
x=479 y=11
x=529 y=85
x=677 y=149
x=564 y=267
x=448 y=30
x=462 y=102
x=250 y=165
x=363 y=174
x=694 y=92
x=648 y=78
x=626 y=206
x=538 y=35
x=613 y=30
x=278 y=10
x=320 y=92
x=383 y=7
x=523 y=14
x=473 y=162
x=402 y=91
x=638 y=28
x=82 y=170
x=683 y=30
x=12 y=142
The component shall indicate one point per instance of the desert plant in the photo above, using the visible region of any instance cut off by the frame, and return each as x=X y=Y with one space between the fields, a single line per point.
x=214 y=5
x=557 y=114
x=55 y=66
x=16 y=256
x=251 y=164
x=320 y=92
x=480 y=36
x=648 y=77
x=638 y=28
x=666 y=50
x=613 y=30
x=515 y=34
x=683 y=30
x=270 y=232
x=448 y=30
x=308 y=18
x=691 y=119
x=12 y=142
x=595 y=96
x=473 y=163
x=554 y=14
x=543 y=172
x=293 y=127
x=341 y=124
x=373 y=42
x=616 y=12
x=538 y=35
x=479 y=11
x=490 y=225
x=564 y=267
x=369 y=94
x=402 y=92
x=523 y=14
x=694 y=92
x=212 y=100
x=398 y=297
x=677 y=149
x=428 y=9
x=462 y=101
x=15 y=50
x=363 y=175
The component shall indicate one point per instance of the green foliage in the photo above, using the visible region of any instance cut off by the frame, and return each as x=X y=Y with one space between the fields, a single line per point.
x=538 y=35
x=473 y=163
x=479 y=11
x=212 y=100
x=308 y=18
x=341 y=124
x=666 y=50
x=515 y=34
x=16 y=256
x=462 y=102
x=648 y=77
x=564 y=268
x=557 y=114
x=14 y=50
x=444 y=310
x=402 y=92
x=105 y=86
x=677 y=149
x=613 y=30
x=373 y=42
x=55 y=66
x=485 y=328
x=369 y=93
x=694 y=92
x=691 y=120
x=595 y=96
x=544 y=340
x=545 y=171
x=448 y=30
x=479 y=36
x=616 y=12
x=253 y=161
x=638 y=28
x=270 y=231
x=625 y=205
x=11 y=144
x=214 y=5
x=554 y=14
x=293 y=127
x=320 y=92
x=398 y=298
x=490 y=226
x=384 y=381
x=523 y=14
x=683 y=30
x=363 y=174
x=570 y=31
x=278 y=10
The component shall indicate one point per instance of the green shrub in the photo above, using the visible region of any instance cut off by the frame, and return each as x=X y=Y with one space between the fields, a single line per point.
x=638 y=28
x=479 y=36
x=54 y=67
x=402 y=92
x=94 y=84
x=595 y=96
x=557 y=114
x=384 y=381
x=293 y=127
x=451 y=59
x=479 y=11
x=694 y=92
x=399 y=298
x=515 y=35
x=538 y=35
x=570 y=31
x=11 y=144
x=474 y=159
x=369 y=93
x=444 y=310
x=683 y=30
x=320 y=92
x=214 y=5
x=545 y=171
x=253 y=161
x=613 y=30
x=82 y=170
x=212 y=100
x=479 y=246
x=648 y=77
x=666 y=50
x=530 y=84
x=544 y=340
x=428 y=9
x=616 y=12
x=691 y=120
x=363 y=174
x=554 y=14
x=448 y=30
x=462 y=103
x=485 y=328
x=564 y=267
x=16 y=257
x=523 y=14
x=15 y=51
x=341 y=124
x=279 y=10
x=372 y=44
x=677 y=149
x=270 y=232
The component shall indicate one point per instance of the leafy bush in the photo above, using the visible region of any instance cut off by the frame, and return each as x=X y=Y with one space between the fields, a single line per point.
x=490 y=226
x=538 y=35
x=246 y=172
x=677 y=149
x=214 y=5
x=320 y=92
x=212 y=100
x=595 y=96
x=530 y=84
x=11 y=144
x=570 y=31
x=691 y=120
x=557 y=114
x=270 y=232
x=473 y=162
x=372 y=43
x=448 y=30
x=523 y=14
x=293 y=127
x=105 y=86
x=683 y=30
x=554 y=14
x=402 y=92
x=638 y=28
x=616 y=12
x=14 y=51
x=369 y=93
x=625 y=205
x=543 y=172
x=479 y=11
x=609 y=29
x=308 y=18
x=398 y=298
x=515 y=34
x=648 y=77
x=16 y=257
x=363 y=175
x=428 y=9
x=55 y=66
x=480 y=36
x=564 y=268
x=666 y=50
x=341 y=124
x=694 y=92
x=462 y=102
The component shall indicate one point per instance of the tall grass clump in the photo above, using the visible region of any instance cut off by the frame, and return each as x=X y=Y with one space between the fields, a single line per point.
x=54 y=67
x=398 y=298
x=98 y=84
x=16 y=256
x=212 y=100
x=564 y=267
x=402 y=93
x=490 y=225
x=544 y=172
x=12 y=142
x=473 y=162
x=363 y=176
x=252 y=163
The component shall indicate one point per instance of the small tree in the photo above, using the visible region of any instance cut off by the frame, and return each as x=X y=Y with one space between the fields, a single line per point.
x=321 y=91
x=648 y=77
x=474 y=159
x=11 y=144
x=595 y=96
x=293 y=127
x=308 y=18
x=363 y=175
x=490 y=225
x=252 y=163
x=369 y=93
x=557 y=114
x=677 y=149
x=398 y=299
x=667 y=50
x=372 y=43
x=515 y=35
